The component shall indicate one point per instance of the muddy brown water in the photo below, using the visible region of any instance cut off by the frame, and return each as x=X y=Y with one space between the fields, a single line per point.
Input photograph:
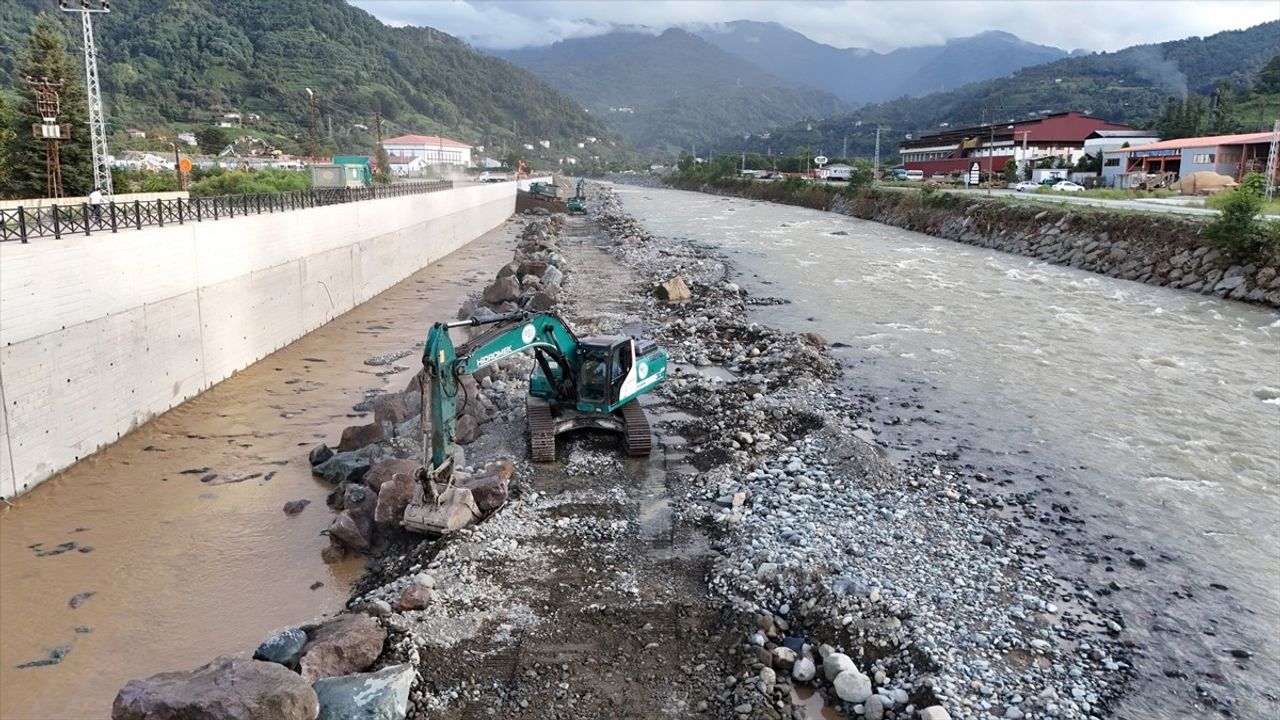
x=183 y=570
x=1157 y=410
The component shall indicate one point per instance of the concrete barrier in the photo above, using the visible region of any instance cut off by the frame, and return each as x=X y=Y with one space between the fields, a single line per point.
x=33 y=203
x=99 y=334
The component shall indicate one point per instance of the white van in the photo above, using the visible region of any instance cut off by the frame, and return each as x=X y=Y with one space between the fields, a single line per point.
x=915 y=175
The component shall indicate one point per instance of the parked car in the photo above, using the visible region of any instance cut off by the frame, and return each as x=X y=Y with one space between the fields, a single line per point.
x=1051 y=180
x=1025 y=186
x=1067 y=186
x=915 y=175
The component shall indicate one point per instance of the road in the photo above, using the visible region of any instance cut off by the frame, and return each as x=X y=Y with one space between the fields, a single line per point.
x=1172 y=205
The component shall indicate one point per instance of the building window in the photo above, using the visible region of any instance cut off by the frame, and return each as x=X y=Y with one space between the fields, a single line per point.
x=1111 y=162
x=1202 y=158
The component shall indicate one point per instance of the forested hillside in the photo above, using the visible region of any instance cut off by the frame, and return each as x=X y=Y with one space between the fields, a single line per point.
x=1130 y=86
x=672 y=90
x=186 y=62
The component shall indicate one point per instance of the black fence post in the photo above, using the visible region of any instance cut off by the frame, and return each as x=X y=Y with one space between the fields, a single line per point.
x=57 y=225
x=160 y=212
x=180 y=213
x=137 y=214
x=257 y=201
x=215 y=207
x=199 y=204
x=114 y=227
x=22 y=223
x=84 y=215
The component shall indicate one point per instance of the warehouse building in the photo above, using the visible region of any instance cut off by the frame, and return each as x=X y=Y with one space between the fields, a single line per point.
x=1164 y=162
x=1061 y=135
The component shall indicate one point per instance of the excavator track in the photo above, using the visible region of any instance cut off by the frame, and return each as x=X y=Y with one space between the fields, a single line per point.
x=637 y=437
x=542 y=430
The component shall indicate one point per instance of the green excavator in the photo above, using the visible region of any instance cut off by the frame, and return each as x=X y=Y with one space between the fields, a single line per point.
x=576 y=383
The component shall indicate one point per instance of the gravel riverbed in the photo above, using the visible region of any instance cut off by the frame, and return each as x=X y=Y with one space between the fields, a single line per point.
x=792 y=556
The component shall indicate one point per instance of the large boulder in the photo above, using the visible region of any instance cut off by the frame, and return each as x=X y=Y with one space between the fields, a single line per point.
x=382 y=695
x=674 y=291
x=390 y=408
x=319 y=454
x=393 y=497
x=540 y=302
x=552 y=275
x=489 y=486
x=284 y=647
x=226 y=689
x=467 y=431
x=352 y=529
x=355 y=437
x=504 y=289
x=384 y=471
x=344 y=645
x=852 y=686
x=343 y=467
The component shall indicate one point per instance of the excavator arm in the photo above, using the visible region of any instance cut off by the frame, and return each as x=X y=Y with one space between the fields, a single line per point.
x=510 y=333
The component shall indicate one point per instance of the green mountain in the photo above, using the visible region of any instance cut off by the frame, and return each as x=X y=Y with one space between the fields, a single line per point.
x=182 y=64
x=671 y=90
x=859 y=75
x=1129 y=86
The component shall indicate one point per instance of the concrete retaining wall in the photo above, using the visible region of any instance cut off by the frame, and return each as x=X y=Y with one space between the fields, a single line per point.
x=99 y=334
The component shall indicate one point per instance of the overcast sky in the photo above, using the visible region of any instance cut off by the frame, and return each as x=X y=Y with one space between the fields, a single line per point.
x=877 y=24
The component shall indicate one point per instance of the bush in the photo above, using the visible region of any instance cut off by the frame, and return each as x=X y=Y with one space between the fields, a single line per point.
x=242 y=182
x=1237 y=230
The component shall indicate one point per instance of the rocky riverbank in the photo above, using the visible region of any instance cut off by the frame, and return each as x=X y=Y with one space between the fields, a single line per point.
x=762 y=553
x=1162 y=250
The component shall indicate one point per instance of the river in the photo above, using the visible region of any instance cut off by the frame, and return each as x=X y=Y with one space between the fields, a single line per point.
x=1154 y=412
x=183 y=570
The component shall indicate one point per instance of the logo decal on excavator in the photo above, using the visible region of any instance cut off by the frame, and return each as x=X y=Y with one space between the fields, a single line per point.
x=493 y=357
x=642 y=369
x=528 y=333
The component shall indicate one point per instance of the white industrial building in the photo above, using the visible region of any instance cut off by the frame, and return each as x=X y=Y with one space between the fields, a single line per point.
x=432 y=149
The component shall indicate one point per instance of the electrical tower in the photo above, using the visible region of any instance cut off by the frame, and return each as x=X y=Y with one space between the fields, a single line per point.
x=315 y=116
x=97 y=124
x=48 y=129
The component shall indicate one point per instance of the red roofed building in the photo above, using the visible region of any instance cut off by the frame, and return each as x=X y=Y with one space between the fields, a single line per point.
x=433 y=149
x=1058 y=135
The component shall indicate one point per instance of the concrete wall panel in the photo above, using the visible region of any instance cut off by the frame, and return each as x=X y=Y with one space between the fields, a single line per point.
x=99 y=334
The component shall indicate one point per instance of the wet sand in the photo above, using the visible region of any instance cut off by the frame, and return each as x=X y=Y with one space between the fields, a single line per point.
x=184 y=567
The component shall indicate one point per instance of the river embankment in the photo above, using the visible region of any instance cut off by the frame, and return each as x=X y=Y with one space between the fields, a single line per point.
x=1155 y=250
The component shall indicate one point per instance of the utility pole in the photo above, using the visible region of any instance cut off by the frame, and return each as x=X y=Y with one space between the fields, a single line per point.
x=991 y=149
x=47 y=105
x=875 y=174
x=1272 y=160
x=844 y=149
x=97 y=123
x=315 y=140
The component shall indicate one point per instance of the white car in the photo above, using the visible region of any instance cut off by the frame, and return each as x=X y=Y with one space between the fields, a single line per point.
x=1025 y=186
x=1067 y=186
x=492 y=177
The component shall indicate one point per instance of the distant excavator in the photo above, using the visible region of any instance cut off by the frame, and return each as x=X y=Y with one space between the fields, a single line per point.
x=577 y=205
x=590 y=382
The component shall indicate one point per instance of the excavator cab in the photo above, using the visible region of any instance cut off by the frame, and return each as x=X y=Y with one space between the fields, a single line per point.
x=604 y=366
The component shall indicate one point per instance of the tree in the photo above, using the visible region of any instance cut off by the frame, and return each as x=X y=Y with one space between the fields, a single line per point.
x=1223 y=120
x=1238 y=230
x=1269 y=77
x=383 y=175
x=6 y=137
x=1011 y=170
x=46 y=56
x=212 y=140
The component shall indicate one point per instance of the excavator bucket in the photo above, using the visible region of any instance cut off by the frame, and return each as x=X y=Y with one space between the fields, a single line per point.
x=438 y=507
